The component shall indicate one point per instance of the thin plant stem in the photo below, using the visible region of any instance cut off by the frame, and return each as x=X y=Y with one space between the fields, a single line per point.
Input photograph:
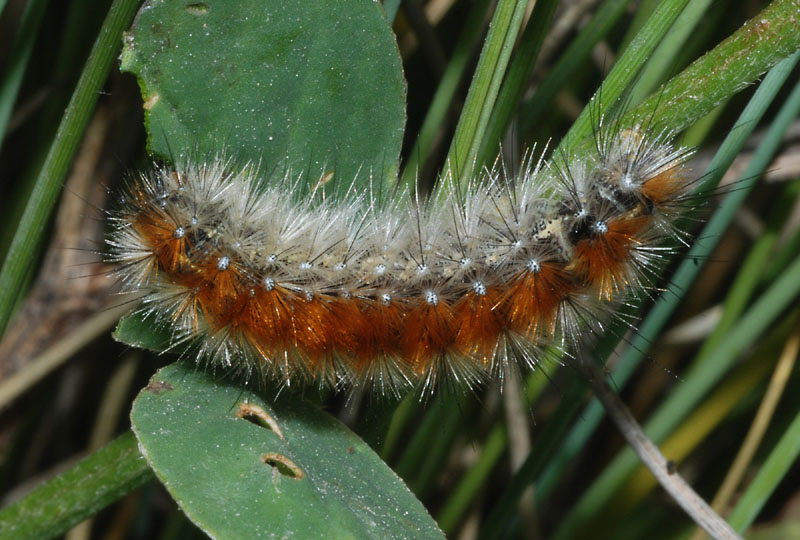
x=651 y=456
x=23 y=249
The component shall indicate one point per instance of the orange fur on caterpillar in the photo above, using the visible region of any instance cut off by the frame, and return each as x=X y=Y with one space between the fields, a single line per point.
x=348 y=292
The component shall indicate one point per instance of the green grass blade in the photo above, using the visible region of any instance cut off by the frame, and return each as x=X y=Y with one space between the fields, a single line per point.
x=643 y=12
x=517 y=78
x=22 y=251
x=485 y=86
x=652 y=325
x=445 y=92
x=740 y=60
x=774 y=469
x=569 y=63
x=474 y=479
x=626 y=69
x=440 y=423
x=685 y=274
x=664 y=56
x=77 y=493
x=542 y=453
x=492 y=449
x=21 y=53
x=700 y=379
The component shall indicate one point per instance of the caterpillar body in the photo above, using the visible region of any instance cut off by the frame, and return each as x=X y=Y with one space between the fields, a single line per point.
x=460 y=287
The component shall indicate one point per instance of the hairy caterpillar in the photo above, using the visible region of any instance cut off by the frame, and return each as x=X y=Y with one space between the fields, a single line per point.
x=352 y=292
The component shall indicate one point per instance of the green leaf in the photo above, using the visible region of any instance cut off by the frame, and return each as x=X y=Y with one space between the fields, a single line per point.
x=241 y=466
x=309 y=86
x=137 y=331
x=313 y=87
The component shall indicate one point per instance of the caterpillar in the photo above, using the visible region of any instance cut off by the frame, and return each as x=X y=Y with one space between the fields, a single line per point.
x=459 y=287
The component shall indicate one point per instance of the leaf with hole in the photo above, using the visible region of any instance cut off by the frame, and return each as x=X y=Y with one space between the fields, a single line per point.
x=242 y=466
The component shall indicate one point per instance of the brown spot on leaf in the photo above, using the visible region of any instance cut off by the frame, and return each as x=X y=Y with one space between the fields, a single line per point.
x=151 y=101
x=158 y=386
